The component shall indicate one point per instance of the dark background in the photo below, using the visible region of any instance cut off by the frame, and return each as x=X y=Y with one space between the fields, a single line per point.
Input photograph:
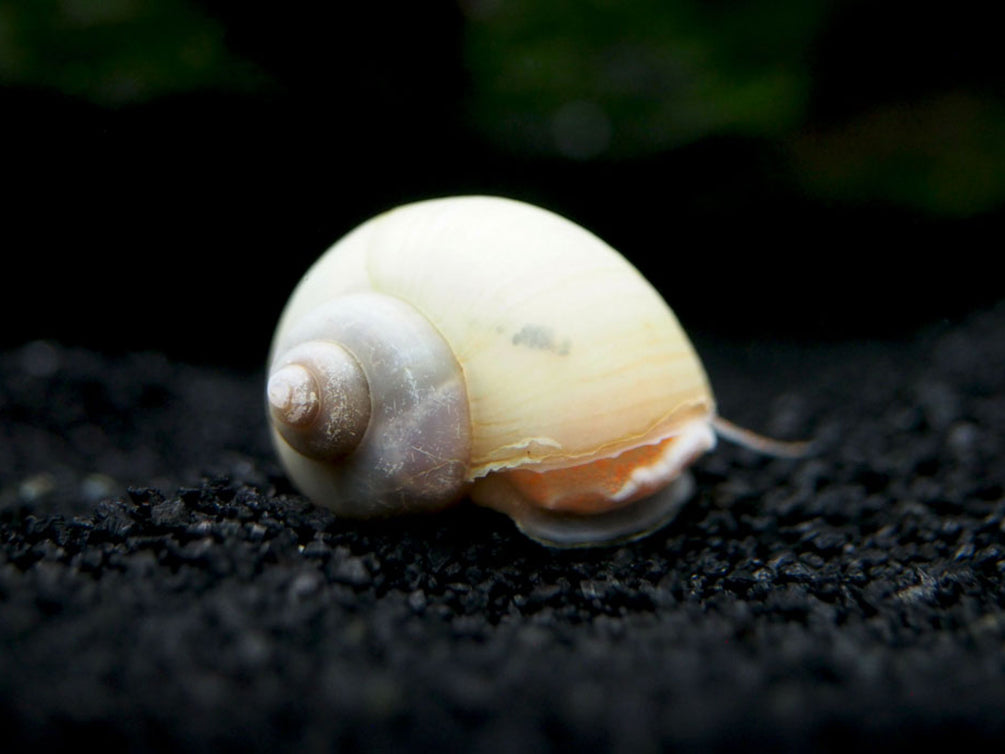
x=816 y=187
x=809 y=170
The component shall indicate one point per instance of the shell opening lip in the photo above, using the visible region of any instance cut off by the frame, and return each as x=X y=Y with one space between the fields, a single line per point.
x=543 y=454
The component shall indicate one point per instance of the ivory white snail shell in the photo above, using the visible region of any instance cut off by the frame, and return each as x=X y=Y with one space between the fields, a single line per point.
x=485 y=347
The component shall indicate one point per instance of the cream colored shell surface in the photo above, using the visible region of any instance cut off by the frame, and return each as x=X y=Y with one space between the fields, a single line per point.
x=568 y=352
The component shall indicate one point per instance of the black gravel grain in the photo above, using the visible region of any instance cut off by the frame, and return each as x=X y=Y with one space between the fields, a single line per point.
x=163 y=588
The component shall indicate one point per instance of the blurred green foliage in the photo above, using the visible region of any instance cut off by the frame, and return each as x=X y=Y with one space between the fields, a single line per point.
x=943 y=153
x=589 y=79
x=602 y=78
x=583 y=80
x=117 y=52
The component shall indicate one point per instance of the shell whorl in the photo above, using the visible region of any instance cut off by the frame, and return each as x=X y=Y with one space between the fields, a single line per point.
x=319 y=400
x=380 y=391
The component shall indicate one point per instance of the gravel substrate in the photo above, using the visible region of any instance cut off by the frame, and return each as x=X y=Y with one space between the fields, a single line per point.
x=163 y=588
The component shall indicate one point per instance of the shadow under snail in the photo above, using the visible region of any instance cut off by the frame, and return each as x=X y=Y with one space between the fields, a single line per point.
x=486 y=348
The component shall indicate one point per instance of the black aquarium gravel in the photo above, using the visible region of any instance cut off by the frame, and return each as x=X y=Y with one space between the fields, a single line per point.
x=163 y=588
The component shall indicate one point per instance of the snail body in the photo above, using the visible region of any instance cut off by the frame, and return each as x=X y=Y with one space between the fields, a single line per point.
x=482 y=347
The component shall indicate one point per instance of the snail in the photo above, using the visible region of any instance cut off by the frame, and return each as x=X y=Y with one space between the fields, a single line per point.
x=486 y=348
